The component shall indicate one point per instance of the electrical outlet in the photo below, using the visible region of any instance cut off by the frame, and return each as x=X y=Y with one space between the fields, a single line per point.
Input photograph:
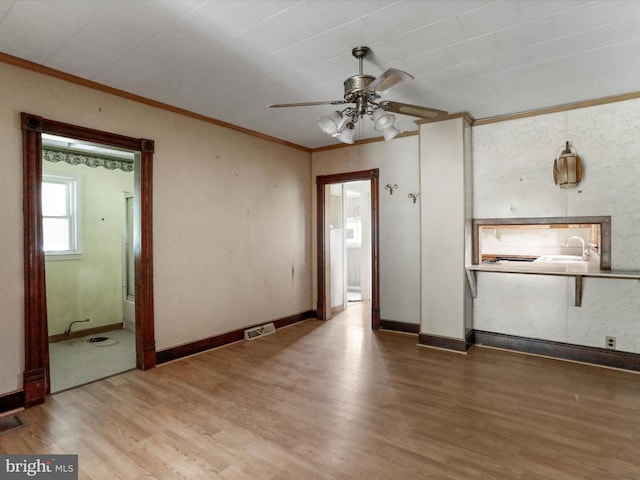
x=610 y=342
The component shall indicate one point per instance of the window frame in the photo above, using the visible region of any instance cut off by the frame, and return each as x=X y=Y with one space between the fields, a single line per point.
x=72 y=183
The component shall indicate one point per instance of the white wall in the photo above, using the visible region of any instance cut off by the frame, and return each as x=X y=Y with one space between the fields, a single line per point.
x=399 y=218
x=445 y=226
x=512 y=168
x=231 y=218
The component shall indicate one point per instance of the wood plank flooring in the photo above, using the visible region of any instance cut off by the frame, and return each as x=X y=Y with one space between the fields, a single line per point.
x=335 y=400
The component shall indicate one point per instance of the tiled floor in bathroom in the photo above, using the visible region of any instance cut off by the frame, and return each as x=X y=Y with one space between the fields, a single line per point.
x=76 y=362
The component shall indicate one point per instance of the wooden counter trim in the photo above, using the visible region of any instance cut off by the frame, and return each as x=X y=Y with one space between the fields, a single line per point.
x=397 y=326
x=174 y=353
x=565 y=351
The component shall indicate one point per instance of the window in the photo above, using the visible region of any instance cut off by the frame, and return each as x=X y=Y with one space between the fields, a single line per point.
x=527 y=239
x=60 y=217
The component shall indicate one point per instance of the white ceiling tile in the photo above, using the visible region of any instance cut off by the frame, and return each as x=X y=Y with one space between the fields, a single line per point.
x=230 y=60
x=595 y=15
x=614 y=33
x=429 y=61
x=402 y=17
x=489 y=18
x=536 y=9
x=461 y=71
x=19 y=24
x=437 y=35
x=529 y=33
x=507 y=60
x=227 y=18
x=476 y=48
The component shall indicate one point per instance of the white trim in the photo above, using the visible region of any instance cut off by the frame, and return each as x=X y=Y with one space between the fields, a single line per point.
x=73 y=185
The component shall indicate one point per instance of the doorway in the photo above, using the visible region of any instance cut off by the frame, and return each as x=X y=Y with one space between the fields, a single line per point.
x=85 y=188
x=36 y=381
x=337 y=229
x=348 y=248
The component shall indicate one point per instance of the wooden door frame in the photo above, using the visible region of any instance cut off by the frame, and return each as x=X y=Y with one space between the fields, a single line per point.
x=36 y=382
x=372 y=175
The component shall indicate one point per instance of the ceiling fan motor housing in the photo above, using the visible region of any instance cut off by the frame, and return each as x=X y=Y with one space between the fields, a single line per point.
x=356 y=85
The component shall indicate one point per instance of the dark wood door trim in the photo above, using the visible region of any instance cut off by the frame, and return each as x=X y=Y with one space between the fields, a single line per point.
x=321 y=180
x=36 y=369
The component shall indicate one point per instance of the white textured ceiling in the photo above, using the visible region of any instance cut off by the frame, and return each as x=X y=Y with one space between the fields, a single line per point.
x=230 y=59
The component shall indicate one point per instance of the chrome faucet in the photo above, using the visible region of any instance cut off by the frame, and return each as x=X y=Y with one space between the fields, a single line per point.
x=585 y=250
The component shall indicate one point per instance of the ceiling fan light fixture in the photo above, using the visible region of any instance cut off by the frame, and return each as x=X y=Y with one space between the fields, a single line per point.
x=390 y=133
x=382 y=120
x=364 y=91
x=346 y=136
x=331 y=123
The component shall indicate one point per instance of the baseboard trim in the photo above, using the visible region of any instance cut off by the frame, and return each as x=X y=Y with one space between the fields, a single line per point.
x=564 y=351
x=174 y=353
x=85 y=332
x=397 y=326
x=11 y=401
x=447 y=343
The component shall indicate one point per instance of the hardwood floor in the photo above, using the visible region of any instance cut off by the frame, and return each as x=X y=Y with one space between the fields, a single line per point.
x=335 y=400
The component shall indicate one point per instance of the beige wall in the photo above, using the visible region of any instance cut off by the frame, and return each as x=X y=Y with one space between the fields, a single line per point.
x=399 y=218
x=90 y=287
x=231 y=218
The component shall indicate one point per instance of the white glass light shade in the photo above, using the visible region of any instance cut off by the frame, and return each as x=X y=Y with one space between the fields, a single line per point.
x=330 y=123
x=346 y=136
x=390 y=133
x=382 y=120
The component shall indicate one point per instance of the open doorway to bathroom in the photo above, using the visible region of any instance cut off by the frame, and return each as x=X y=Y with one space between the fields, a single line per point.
x=37 y=379
x=88 y=223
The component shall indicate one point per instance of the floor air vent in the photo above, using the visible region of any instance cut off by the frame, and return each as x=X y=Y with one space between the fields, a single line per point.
x=261 y=331
x=12 y=422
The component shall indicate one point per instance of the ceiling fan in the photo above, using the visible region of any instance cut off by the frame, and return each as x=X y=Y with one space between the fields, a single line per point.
x=364 y=91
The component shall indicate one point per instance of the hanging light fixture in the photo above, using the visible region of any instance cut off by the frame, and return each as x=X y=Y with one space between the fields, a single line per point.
x=567 y=168
x=363 y=92
x=383 y=123
x=341 y=125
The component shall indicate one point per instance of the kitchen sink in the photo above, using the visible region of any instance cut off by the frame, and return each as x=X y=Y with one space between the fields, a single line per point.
x=559 y=258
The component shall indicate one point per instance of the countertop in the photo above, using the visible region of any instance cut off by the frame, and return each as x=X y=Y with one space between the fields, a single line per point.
x=584 y=269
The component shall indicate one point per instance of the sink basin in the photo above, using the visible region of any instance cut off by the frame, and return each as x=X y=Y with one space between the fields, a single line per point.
x=559 y=258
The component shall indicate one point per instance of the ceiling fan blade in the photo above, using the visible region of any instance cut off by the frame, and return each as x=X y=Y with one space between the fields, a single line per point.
x=413 y=110
x=308 y=104
x=388 y=79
